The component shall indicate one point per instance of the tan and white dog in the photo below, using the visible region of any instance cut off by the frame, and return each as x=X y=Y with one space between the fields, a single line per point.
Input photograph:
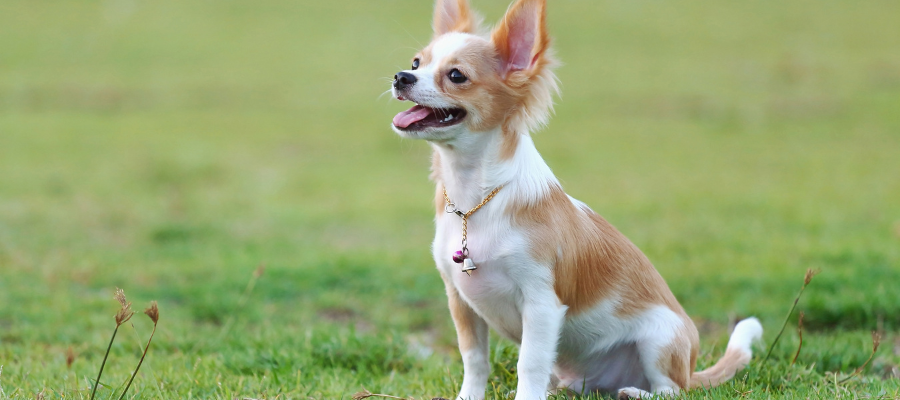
x=587 y=308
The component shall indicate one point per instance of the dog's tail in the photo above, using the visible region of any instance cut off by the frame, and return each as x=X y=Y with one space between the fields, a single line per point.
x=737 y=355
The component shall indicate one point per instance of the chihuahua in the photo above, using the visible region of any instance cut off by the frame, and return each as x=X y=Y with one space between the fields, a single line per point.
x=516 y=253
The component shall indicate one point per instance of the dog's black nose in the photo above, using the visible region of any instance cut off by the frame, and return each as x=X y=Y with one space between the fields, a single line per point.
x=403 y=79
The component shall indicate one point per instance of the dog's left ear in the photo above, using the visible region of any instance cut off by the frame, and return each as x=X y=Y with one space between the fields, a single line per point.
x=452 y=16
x=521 y=37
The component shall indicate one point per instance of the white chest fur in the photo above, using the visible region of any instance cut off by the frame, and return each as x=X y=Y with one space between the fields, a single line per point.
x=498 y=248
x=491 y=290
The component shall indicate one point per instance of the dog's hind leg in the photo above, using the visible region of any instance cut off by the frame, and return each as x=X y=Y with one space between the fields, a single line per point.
x=667 y=368
x=667 y=357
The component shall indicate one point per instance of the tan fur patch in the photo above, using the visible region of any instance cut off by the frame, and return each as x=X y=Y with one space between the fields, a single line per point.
x=435 y=176
x=679 y=358
x=464 y=318
x=591 y=260
x=509 y=145
x=424 y=56
x=731 y=362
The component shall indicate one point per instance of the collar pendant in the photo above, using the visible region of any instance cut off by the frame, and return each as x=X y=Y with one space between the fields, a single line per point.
x=462 y=256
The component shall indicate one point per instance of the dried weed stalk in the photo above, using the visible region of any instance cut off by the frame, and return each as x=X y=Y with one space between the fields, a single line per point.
x=153 y=313
x=365 y=394
x=876 y=341
x=70 y=357
x=810 y=273
x=800 y=334
x=122 y=316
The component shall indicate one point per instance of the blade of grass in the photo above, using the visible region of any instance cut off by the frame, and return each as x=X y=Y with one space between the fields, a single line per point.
x=226 y=327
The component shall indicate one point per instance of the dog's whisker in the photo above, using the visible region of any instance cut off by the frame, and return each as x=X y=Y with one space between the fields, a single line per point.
x=383 y=93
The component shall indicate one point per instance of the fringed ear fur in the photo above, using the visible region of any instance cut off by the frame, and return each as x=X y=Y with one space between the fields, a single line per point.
x=521 y=37
x=526 y=63
x=453 y=16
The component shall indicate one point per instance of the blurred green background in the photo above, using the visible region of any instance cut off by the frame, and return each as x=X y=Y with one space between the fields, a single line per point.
x=171 y=147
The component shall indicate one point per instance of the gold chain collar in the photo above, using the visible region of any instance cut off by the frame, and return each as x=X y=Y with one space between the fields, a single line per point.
x=462 y=256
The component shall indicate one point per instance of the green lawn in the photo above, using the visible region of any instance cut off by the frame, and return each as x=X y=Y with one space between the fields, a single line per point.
x=171 y=147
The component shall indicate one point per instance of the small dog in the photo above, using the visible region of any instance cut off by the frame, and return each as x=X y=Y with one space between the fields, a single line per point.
x=516 y=253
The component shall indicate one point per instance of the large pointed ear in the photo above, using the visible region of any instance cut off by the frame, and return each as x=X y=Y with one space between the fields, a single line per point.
x=521 y=38
x=452 y=16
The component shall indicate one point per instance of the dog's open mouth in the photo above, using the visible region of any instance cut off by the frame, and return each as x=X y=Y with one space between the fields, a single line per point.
x=421 y=117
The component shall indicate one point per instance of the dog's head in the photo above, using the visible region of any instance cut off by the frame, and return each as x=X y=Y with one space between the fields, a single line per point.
x=466 y=82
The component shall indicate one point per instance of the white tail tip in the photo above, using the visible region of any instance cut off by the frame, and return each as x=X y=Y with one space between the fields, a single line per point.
x=745 y=333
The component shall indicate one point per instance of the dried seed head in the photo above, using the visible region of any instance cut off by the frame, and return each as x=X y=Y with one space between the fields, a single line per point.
x=70 y=357
x=259 y=270
x=152 y=312
x=810 y=273
x=362 y=395
x=876 y=340
x=120 y=297
x=124 y=315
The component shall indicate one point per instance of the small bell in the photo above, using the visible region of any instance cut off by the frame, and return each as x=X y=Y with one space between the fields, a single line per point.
x=468 y=266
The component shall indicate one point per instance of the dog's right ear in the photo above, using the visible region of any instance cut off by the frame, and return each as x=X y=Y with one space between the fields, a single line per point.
x=452 y=16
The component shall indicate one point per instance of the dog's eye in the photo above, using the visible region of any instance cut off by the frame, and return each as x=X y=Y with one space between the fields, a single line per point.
x=415 y=64
x=456 y=76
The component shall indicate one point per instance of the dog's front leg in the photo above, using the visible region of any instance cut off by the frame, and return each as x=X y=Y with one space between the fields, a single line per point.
x=542 y=319
x=472 y=335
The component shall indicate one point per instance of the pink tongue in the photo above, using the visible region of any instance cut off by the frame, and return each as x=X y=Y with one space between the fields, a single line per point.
x=411 y=116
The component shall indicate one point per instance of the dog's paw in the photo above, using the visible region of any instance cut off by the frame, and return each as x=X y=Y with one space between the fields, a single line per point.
x=631 y=393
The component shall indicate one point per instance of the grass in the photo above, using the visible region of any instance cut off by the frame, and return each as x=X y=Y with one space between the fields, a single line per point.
x=171 y=147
